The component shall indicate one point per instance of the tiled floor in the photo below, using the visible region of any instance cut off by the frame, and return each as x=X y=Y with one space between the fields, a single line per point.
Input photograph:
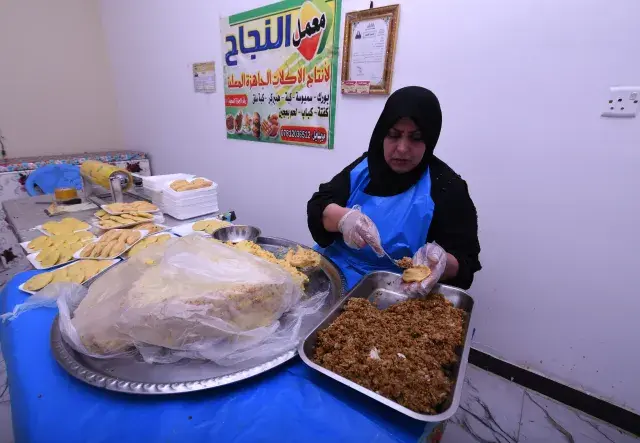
x=493 y=410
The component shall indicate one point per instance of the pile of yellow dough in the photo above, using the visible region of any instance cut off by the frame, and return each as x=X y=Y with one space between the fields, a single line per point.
x=111 y=244
x=145 y=242
x=58 y=249
x=137 y=206
x=301 y=258
x=65 y=226
x=108 y=221
x=78 y=272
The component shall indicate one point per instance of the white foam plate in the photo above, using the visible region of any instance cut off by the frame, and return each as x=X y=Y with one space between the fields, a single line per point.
x=77 y=254
x=25 y=246
x=187 y=228
x=104 y=208
x=21 y=287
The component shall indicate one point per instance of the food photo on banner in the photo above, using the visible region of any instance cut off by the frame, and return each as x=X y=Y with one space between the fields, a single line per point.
x=280 y=72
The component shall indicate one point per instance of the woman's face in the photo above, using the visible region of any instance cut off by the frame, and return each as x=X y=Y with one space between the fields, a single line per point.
x=403 y=146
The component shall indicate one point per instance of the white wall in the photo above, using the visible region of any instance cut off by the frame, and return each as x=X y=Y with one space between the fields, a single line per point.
x=522 y=85
x=56 y=92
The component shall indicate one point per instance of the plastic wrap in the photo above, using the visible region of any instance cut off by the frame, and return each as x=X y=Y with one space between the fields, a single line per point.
x=188 y=298
x=45 y=298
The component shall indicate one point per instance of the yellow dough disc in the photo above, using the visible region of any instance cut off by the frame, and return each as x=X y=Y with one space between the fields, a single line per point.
x=162 y=238
x=38 y=282
x=76 y=274
x=40 y=242
x=416 y=274
x=75 y=247
x=200 y=225
x=60 y=275
x=102 y=265
x=66 y=254
x=91 y=268
x=85 y=235
x=74 y=223
x=48 y=258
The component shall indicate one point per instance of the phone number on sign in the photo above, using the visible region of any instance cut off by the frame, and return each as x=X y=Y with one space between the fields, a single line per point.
x=304 y=134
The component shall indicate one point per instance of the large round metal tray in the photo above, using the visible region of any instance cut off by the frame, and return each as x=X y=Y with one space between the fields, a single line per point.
x=132 y=375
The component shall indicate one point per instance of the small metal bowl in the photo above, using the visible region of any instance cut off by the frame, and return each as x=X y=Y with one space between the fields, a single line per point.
x=237 y=233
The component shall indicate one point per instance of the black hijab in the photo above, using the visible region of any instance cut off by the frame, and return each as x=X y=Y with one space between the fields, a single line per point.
x=423 y=107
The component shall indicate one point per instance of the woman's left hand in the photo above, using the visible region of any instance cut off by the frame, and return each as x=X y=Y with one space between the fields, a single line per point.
x=435 y=258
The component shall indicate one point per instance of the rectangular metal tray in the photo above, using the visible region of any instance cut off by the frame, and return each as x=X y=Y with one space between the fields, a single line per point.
x=383 y=290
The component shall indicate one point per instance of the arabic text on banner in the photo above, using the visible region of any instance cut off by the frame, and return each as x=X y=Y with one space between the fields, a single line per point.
x=280 y=72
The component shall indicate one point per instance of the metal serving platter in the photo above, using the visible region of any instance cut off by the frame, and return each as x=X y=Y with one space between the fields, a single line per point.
x=383 y=290
x=133 y=376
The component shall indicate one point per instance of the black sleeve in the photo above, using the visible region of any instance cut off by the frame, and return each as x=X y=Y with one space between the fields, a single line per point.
x=455 y=226
x=336 y=191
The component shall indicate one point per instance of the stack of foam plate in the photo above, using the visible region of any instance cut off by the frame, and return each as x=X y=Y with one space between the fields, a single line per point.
x=188 y=204
x=153 y=185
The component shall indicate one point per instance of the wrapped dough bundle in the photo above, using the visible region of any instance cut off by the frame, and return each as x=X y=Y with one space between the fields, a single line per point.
x=189 y=297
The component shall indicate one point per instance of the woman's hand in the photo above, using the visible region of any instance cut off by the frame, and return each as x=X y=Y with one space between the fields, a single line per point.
x=358 y=230
x=437 y=260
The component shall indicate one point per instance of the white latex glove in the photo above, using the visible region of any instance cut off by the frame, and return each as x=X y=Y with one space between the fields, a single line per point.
x=435 y=258
x=358 y=230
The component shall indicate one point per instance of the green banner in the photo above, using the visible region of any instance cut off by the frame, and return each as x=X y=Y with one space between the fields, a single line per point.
x=280 y=72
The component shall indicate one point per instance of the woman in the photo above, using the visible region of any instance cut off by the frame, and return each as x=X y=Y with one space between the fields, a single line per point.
x=397 y=197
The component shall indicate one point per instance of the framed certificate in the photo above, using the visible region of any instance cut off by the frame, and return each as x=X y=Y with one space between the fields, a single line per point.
x=369 y=48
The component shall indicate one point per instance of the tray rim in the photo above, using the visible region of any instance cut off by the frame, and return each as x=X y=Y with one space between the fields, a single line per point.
x=65 y=359
x=63 y=354
x=459 y=382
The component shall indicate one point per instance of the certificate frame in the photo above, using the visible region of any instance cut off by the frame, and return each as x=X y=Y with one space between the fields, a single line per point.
x=392 y=12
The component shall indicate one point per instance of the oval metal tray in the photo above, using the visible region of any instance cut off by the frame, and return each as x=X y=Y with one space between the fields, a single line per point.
x=133 y=376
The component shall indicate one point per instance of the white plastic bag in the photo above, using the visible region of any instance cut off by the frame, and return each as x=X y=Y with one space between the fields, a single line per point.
x=190 y=297
x=45 y=298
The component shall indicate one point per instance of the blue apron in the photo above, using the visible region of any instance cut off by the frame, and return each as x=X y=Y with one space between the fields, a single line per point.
x=403 y=221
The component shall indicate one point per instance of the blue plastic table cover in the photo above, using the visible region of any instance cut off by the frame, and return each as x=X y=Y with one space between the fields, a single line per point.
x=290 y=403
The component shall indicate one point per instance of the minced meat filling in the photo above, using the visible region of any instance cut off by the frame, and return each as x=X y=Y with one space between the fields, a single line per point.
x=402 y=352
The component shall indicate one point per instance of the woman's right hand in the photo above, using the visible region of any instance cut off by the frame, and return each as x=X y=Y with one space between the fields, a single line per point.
x=358 y=230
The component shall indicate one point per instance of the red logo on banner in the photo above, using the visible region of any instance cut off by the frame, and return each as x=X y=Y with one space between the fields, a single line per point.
x=236 y=100
x=308 y=32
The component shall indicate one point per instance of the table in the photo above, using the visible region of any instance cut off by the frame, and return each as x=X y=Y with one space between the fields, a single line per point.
x=23 y=214
x=290 y=403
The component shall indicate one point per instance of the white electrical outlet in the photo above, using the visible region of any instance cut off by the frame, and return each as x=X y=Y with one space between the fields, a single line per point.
x=623 y=102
